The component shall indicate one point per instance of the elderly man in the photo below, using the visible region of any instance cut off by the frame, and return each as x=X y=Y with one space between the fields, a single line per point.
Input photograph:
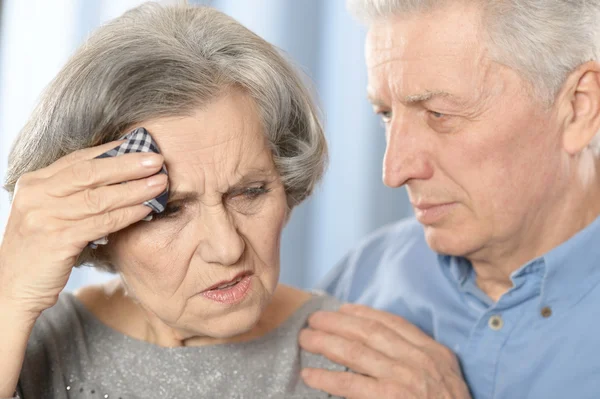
x=491 y=112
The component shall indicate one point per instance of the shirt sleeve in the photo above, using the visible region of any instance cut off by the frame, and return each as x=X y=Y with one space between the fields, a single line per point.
x=338 y=282
x=354 y=272
x=380 y=271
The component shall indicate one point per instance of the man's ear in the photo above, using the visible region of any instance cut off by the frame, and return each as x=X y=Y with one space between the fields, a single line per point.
x=580 y=100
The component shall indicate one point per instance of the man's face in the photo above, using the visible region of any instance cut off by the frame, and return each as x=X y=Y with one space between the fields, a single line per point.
x=480 y=157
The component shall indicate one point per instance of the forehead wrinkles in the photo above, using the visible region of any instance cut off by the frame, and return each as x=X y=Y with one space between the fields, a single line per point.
x=451 y=30
x=383 y=46
x=213 y=171
x=397 y=72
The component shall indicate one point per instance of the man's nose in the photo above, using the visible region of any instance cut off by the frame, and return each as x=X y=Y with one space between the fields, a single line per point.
x=223 y=243
x=406 y=154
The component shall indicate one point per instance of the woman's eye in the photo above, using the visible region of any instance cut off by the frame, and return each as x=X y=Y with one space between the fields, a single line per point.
x=248 y=200
x=170 y=210
x=254 y=192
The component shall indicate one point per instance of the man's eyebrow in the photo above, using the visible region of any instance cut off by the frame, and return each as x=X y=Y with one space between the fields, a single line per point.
x=414 y=98
x=375 y=101
x=426 y=96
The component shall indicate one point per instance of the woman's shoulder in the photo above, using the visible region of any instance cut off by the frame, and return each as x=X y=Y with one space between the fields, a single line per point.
x=280 y=346
x=320 y=301
x=56 y=337
x=298 y=305
x=324 y=301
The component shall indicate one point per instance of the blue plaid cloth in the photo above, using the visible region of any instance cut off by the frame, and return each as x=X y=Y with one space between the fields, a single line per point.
x=138 y=140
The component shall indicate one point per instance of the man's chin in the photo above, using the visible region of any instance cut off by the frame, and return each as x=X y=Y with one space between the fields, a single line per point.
x=449 y=241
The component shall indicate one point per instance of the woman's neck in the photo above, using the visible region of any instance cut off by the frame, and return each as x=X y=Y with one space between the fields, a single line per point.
x=113 y=307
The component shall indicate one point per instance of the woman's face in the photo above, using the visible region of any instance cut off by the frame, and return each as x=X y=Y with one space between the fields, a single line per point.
x=222 y=226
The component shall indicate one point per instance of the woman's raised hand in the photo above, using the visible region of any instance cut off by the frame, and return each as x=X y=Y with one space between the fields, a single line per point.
x=56 y=211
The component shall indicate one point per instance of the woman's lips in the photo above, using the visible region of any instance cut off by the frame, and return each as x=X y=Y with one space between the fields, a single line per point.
x=231 y=293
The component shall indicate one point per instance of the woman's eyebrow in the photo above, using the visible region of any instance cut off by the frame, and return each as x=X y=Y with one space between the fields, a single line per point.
x=254 y=176
x=183 y=196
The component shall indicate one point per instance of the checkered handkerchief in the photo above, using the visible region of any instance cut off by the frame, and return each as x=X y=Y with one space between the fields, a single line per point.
x=138 y=140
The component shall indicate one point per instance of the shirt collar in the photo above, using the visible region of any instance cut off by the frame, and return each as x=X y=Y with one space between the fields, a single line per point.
x=568 y=271
x=573 y=267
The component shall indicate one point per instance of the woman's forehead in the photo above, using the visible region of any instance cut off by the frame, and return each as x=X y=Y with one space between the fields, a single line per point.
x=223 y=137
x=226 y=122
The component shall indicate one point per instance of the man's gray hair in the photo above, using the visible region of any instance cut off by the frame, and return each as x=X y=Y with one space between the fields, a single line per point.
x=543 y=40
x=157 y=61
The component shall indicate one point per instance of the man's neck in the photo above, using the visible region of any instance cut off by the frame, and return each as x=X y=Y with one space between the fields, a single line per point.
x=578 y=207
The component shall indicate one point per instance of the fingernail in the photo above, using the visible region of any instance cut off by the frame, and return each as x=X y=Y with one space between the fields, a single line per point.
x=151 y=160
x=157 y=180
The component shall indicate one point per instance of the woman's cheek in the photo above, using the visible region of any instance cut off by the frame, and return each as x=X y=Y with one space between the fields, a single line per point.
x=152 y=259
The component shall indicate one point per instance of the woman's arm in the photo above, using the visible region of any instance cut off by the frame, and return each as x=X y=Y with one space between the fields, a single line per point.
x=56 y=211
x=15 y=329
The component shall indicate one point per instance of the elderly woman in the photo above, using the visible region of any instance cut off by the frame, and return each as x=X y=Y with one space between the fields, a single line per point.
x=196 y=310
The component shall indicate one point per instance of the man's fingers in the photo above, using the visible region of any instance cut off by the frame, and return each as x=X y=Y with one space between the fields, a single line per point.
x=101 y=172
x=350 y=353
x=370 y=332
x=353 y=386
x=409 y=331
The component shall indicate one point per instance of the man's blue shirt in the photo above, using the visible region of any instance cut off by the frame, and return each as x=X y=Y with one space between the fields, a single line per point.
x=540 y=340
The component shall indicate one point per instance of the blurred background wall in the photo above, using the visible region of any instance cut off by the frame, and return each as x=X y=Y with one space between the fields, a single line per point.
x=320 y=37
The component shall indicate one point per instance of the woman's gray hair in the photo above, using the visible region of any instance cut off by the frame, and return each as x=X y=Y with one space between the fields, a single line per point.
x=157 y=61
x=544 y=42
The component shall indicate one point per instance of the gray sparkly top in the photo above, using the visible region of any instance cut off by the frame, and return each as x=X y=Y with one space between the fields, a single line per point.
x=71 y=354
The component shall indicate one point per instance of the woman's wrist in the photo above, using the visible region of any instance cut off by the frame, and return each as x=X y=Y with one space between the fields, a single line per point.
x=18 y=315
x=16 y=325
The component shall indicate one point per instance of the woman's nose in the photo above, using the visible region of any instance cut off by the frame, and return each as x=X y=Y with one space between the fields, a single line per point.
x=223 y=244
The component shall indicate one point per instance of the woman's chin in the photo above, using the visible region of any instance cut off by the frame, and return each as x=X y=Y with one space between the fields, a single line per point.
x=236 y=324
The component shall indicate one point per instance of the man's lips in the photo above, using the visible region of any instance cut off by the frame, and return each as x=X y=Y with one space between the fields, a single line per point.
x=429 y=213
x=423 y=206
x=223 y=284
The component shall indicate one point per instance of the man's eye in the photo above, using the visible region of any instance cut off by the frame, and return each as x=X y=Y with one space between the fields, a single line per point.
x=386 y=116
x=436 y=115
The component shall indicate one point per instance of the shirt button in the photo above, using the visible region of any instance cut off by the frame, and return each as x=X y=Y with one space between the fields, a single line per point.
x=546 y=311
x=495 y=322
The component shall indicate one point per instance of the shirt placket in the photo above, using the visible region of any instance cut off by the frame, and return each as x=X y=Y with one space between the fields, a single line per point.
x=482 y=354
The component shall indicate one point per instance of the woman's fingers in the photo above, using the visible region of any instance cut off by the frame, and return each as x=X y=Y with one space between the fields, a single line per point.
x=102 y=225
x=102 y=172
x=95 y=201
x=76 y=157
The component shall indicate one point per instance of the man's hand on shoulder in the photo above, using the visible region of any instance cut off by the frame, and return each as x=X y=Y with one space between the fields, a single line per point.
x=391 y=357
